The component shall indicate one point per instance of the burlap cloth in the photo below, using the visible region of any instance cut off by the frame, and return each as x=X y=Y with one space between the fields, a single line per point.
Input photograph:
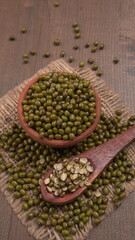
x=8 y=114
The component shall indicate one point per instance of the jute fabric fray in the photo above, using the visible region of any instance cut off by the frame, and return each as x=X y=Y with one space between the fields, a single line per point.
x=8 y=114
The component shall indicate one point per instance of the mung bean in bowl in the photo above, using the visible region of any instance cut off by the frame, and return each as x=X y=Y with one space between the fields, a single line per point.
x=59 y=109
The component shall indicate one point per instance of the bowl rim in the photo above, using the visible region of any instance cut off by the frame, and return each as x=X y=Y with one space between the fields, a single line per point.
x=45 y=141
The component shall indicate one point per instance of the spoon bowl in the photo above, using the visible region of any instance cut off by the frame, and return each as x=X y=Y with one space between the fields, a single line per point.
x=99 y=157
x=55 y=143
x=50 y=197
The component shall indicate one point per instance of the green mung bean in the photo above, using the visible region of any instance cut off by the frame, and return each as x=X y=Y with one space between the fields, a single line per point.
x=93 y=49
x=62 y=54
x=12 y=38
x=94 y=67
x=56 y=4
x=46 y=54
x=76 y=29
x=99 y=73
x=75 y=25
x=101 y=46
x=33 y=52
x=90 y=60
x=77 y=35
x=56 y=42
x=75 y=47
x=115 y=60
x=23 y=30
x=95 y=43
x=25 y=60
x=71 y=59
x=87 y=45
x=81 y=64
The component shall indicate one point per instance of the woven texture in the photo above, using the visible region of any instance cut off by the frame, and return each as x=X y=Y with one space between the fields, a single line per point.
x=8 y=114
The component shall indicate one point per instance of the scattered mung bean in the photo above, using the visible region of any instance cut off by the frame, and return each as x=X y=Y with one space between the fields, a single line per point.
x=76 y=47
x=77 y=35
x=56 y=42
x=46 y=54
x=94 y=49
x=101 y=46
x=33 y=52
x=81 y=64
x=56 y=4
x=87 y=45
x=12 y=38
x=23 y=30
x=99 y=73
x=90 y=60
x=115 y=60
x=62 y=54
x=75 y=25
x=71 y=59
x=94 y=67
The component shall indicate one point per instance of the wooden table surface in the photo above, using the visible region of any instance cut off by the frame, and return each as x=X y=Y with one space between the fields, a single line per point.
x=109 y=21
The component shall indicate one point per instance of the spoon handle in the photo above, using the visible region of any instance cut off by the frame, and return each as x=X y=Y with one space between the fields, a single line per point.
x=102 y=155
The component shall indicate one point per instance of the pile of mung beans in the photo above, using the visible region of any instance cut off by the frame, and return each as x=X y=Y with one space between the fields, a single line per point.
x=68 y=176
x=60 y=106
x=31 y=160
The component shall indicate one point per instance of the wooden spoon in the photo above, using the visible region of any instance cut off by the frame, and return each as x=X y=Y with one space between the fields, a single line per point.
x=99 y=157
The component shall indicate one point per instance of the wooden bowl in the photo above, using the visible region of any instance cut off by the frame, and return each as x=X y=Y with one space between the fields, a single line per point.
x=55 y=143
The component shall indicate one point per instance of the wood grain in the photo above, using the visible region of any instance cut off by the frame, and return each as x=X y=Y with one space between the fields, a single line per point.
x=111 y=22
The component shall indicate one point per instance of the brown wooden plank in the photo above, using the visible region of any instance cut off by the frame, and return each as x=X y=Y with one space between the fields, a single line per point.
x=5 y=219
x=111 y=22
